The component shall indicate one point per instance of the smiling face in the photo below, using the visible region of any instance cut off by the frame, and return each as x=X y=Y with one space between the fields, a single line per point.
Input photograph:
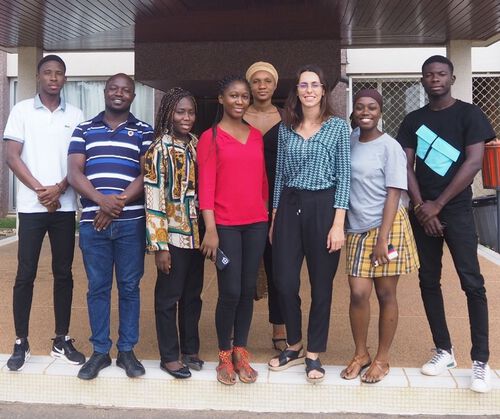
x=51 y=78
x=366 y=113
x=119 y=93
x=437 y=79
x=310 y=90
x=262 y=85
x=235 y=99
x=183 y=117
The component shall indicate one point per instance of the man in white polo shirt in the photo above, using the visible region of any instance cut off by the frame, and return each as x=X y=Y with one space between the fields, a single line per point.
x=37 y=137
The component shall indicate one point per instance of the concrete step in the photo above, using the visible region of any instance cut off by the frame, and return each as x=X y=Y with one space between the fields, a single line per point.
x=403 y=391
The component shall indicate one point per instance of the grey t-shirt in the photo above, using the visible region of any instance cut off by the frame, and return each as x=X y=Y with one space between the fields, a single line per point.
x=375 y=166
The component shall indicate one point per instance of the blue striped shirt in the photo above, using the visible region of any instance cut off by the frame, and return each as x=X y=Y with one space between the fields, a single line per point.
x=112 y=160
x=320 y=162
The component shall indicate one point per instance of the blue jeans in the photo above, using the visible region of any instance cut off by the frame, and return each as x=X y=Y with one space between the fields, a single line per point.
x=122 y=246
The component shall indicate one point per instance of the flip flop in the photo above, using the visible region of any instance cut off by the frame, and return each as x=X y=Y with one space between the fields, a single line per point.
x=383 y=367
x=356 y=364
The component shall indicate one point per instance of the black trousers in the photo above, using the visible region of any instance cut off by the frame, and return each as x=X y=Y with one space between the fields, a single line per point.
x=273 y=303
x=460 y=236
x=177 y=299
x=32 y=228
x=244 y=246
x=301 y=226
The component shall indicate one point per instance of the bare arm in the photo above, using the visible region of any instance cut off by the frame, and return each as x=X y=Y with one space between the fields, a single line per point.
x=211 y=240
x=112 y=205
x=13 y=151
x=433 y=226
x=391 y=205
x=336 y=236
x=463 y=178
x=47 y=195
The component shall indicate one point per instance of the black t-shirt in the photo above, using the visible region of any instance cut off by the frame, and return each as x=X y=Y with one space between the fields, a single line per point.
x=439 y=139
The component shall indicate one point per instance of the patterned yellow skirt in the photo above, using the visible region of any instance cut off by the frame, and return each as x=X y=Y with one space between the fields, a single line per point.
x=360 y=246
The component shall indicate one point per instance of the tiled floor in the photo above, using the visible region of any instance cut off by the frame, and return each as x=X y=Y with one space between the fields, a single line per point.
x=404 y=390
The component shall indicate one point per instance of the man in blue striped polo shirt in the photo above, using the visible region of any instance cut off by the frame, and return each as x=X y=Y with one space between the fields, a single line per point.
x=105 y=166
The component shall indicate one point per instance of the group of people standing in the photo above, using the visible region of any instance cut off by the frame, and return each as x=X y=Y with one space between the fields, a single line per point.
x=262 y=182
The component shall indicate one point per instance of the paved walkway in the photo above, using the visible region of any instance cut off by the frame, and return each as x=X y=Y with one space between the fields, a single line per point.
x=411 y=346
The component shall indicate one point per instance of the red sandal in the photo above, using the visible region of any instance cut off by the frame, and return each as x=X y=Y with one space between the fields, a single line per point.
x=242 y=366
x=225 y=369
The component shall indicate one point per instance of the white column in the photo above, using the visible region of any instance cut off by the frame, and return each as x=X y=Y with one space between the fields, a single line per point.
x=459 y=52
x=27 y=59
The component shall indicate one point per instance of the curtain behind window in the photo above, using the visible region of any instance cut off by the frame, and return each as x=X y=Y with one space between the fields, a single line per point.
x=89 y=96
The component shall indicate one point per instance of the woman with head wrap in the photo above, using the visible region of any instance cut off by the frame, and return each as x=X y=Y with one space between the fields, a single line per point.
x=266 y=117
x=380 y=244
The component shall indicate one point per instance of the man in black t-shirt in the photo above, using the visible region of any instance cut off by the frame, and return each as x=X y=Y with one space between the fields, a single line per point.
x=444 y=144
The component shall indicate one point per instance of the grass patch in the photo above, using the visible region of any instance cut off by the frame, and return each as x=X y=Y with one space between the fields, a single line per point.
x=8 y=222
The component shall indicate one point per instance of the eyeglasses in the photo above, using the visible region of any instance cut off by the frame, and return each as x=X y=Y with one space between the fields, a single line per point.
x=314 y=85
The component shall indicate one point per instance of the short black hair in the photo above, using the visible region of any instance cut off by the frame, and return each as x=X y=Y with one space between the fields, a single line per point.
x=50 y=57
x=438 y=59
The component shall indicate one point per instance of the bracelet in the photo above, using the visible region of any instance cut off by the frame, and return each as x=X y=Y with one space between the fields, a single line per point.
x=61 y=190
x=416 y=207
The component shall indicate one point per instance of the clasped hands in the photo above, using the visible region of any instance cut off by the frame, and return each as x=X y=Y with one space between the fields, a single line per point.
x=49 y=196
x=110 y=207
x=427 y=215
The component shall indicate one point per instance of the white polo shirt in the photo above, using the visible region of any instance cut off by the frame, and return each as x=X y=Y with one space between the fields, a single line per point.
x=45 y=136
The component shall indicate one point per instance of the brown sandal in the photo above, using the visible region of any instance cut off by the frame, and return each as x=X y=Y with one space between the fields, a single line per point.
x=225 y=369
x=383 y=367
x=357 y=364
x=242 y=366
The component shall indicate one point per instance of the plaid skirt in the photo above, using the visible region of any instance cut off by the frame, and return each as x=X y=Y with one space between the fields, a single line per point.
x=360 y=246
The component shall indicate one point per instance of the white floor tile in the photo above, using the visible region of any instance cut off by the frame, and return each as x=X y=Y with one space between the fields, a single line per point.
x=41 y=359
x=62 y=368
x=285 y=377
x=423 y=381
x=112 y=372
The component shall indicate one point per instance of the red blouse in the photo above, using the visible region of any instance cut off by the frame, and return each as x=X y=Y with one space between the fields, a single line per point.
x=232 y=177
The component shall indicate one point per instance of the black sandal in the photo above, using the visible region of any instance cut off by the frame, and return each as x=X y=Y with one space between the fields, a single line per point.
x=276 y=341
x=314 y=365
x=287 y=359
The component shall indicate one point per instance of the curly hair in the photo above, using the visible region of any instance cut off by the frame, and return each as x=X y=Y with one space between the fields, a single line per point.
x=165 y=117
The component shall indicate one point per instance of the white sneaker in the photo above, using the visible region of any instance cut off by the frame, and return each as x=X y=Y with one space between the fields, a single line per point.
x=439 y=363
x=481 y=377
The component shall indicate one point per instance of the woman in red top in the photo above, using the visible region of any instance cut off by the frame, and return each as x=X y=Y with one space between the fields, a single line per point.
x=233 y=197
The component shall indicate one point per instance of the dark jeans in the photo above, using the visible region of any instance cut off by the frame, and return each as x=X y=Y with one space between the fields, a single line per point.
x=32 y=228
x=460 y=236
x=178 y=294
x=120 y=247
x=273 y=302
x=243 y=245
x=301 y=227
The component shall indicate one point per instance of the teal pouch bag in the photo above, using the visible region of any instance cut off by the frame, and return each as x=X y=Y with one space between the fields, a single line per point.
x=436 y=152
x=441 y=156
x=425 y=138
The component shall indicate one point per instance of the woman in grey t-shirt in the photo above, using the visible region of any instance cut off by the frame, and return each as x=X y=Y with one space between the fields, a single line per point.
x=380 y=244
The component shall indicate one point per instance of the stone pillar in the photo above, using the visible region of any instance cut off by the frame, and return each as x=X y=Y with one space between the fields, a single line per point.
x=460 y=54
x=4 y=113
x=28 y=58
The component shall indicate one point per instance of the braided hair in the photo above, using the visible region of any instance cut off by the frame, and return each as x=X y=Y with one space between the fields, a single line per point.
x=165 y=117
x=222 y=86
